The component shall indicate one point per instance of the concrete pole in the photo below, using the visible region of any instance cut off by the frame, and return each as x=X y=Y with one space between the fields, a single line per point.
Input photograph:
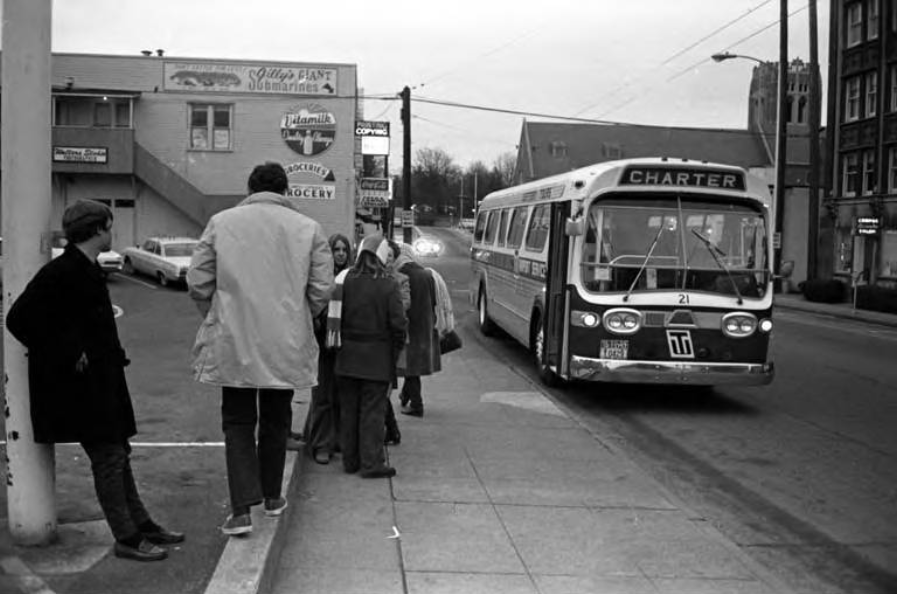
x=26 y=191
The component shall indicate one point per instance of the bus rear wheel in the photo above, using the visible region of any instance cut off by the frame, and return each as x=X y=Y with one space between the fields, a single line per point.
x=546 y=374
x=487 y=326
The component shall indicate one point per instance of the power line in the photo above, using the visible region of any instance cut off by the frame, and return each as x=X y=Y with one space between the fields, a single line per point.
x=671 y=58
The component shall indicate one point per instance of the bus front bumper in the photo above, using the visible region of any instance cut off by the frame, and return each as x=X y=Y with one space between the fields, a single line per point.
x=671 y=372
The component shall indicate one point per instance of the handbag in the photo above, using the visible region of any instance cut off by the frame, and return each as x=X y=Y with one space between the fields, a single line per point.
x=450 y=341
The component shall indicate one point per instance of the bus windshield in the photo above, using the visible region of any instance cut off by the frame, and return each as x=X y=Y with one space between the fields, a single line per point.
x=664 y=242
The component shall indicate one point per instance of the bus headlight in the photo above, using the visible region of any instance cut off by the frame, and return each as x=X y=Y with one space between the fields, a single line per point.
x=765 y=325
x=587 y=319
x=739 y=324
x=622 y=321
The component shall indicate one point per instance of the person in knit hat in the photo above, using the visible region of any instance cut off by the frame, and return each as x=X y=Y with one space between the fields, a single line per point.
x=366 y=323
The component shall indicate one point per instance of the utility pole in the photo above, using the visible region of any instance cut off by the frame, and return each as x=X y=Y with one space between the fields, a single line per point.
x=26 y=189
x=781 y=145
x=406 y=161
x=814 y=117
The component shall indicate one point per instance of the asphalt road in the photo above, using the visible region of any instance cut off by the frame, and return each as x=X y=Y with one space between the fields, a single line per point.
x=801 y=474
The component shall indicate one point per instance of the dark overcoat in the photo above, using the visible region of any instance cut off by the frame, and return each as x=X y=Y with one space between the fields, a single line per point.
x=422 y=351
x=65 y=311
x=372 y=327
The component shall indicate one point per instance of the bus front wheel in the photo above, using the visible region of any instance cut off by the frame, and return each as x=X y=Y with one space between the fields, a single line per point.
x=487 y=326
x=546 y=374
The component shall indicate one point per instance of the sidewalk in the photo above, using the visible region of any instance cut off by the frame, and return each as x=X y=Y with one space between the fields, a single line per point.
x=499 y=491
x=837 y=310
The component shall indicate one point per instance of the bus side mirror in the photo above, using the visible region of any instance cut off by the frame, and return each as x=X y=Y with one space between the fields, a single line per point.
x=573 y=228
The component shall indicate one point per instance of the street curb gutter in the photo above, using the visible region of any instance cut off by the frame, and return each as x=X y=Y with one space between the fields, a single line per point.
x=868 y=317
x=247 y=565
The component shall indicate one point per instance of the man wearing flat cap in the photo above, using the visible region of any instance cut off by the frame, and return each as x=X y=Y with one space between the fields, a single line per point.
x=76 y=375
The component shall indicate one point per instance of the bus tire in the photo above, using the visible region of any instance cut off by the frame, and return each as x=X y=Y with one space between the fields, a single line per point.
x=487 y=326
x=537 y=348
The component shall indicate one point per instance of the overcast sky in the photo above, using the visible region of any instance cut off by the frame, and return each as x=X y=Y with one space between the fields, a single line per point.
x=638 y=61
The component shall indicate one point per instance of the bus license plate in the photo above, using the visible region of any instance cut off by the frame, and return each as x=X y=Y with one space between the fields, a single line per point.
x=614 y=349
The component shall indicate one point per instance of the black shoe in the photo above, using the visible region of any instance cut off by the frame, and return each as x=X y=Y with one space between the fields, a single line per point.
x=384 y=472
x=393 y=437
x=407 y=409
x=164 y=537
x=350 y=469
x=403 y=399
x=145 y=551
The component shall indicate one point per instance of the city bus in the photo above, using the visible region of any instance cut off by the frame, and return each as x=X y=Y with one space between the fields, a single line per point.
x=634 y=271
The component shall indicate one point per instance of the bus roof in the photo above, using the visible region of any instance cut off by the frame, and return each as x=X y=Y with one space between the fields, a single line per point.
x=644 y=174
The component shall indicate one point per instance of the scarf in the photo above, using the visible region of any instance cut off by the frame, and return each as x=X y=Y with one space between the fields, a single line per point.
x=445 y=318
x=335 y=312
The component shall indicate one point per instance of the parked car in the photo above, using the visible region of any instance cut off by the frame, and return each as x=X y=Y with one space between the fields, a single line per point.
x=110 y=261
x=166 y=259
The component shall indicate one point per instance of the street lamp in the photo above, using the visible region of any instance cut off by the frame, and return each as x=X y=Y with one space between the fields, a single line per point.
x=781 y=155
x=727 y=56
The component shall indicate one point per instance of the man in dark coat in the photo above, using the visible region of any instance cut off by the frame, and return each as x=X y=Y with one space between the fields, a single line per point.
x=76 y=375
x=422 y=352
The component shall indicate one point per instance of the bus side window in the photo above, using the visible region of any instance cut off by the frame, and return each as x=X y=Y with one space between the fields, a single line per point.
x=503 y=226
x=480 y=226
x=517 y=227
x=491 y=228
x=538 y=228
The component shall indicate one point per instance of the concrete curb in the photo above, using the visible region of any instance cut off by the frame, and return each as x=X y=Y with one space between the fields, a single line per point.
x=247 y=565
x=839 y=311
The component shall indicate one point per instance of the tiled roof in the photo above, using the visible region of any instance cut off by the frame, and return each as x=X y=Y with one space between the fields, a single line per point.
x=556 y=148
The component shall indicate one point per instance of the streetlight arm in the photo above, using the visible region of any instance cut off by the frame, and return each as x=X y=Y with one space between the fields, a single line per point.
x=728 y=56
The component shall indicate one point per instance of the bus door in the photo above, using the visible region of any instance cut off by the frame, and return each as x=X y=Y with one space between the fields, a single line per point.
x=556 y=292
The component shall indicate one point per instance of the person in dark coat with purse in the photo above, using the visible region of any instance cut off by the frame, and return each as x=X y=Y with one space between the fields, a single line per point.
x=78 y=390
x=366 y=322
x=422 y=356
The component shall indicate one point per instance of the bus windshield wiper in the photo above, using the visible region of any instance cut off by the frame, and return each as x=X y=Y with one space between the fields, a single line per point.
x=645 y=263
x=716 y=253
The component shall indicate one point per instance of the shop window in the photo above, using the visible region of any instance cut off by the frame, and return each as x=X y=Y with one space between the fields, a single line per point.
x=95 y=111
x=872 y=23
x=889 y=253
x=854 y=23
x=849 y=174
x=102 y=115
x=871 y=94
x=869 y=185
x=537 y=232
x=843 y=249
x=852 y=99
x=210 y=127
x=892 y=170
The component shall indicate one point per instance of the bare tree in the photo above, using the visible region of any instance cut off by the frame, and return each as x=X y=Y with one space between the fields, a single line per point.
x=504 y=166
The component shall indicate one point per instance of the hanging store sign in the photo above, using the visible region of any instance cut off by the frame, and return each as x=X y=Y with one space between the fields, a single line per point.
x=867 y=225
x=80 y=154
x=308 y=129
x=375 y=192
x=267 y=79
x=374 y=137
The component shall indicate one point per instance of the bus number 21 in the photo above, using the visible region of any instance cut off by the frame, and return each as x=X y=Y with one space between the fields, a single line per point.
x=683 y=299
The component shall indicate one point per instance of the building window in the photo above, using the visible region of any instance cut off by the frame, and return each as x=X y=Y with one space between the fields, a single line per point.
x=889 y=253
x=854 y=23
x=892 y=95
x=210 y=127
x=843 y=249
x=852 y=99
x=872 y=23
x=849 y=174
x=789 y=109
x=558 y=149
x=892 y=170
x=802 y=110
x=869 y=185
x=871 y=94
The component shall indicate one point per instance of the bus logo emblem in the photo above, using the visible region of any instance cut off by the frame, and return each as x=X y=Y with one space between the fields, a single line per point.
x=680 y=343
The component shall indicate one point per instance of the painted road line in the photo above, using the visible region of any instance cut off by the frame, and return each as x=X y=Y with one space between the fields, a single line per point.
x=137 y=280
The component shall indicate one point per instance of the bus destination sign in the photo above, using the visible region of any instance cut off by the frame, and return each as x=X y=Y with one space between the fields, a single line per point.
x=683 y=176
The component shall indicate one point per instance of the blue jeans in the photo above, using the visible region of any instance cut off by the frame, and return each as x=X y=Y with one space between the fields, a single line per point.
x=255 y=471
x=362 y=422
x=116 y=491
